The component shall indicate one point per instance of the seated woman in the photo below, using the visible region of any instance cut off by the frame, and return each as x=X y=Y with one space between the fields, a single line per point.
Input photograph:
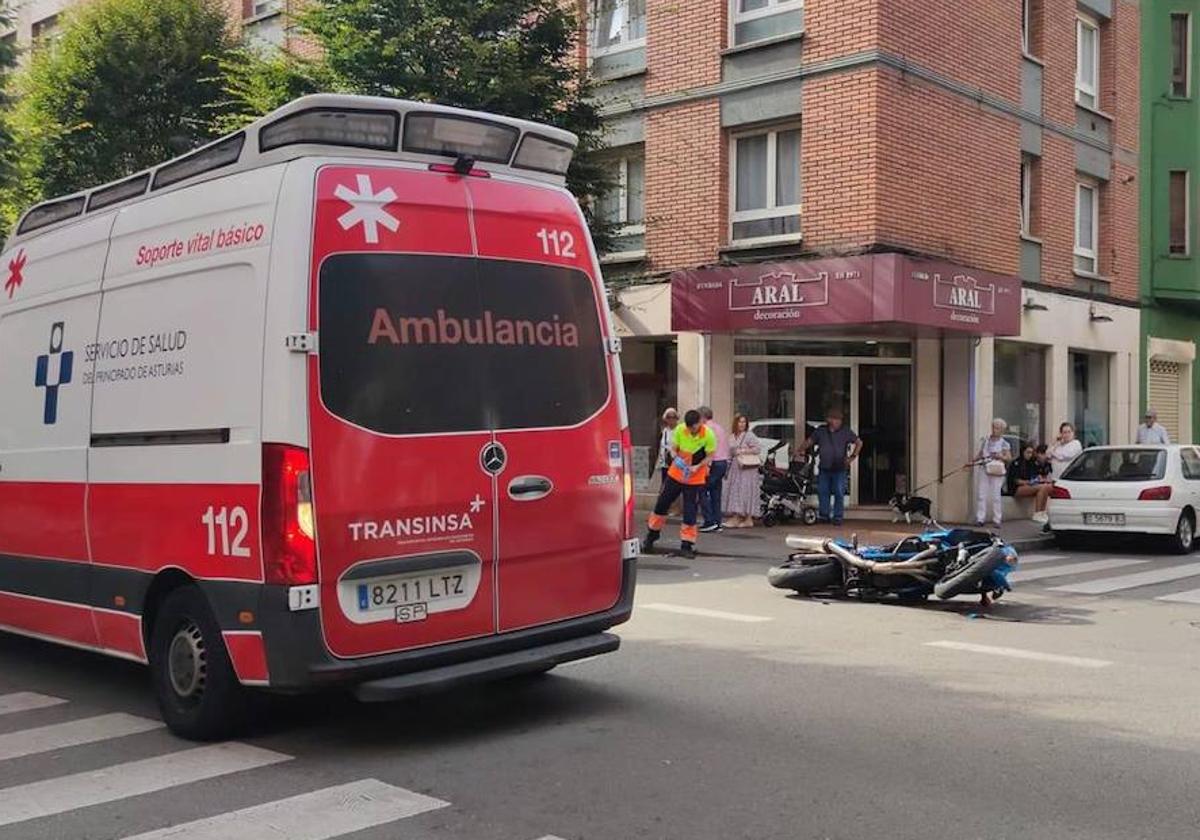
x=1031 y=475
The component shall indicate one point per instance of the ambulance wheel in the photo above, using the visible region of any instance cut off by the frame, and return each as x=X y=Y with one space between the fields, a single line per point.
x=198 y=693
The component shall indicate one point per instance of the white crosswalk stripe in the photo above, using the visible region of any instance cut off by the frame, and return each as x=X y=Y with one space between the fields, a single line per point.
x=1192 y=596
x=320 y=815
x=1133 y=581
x=95 y=787
x=72 y=734
x=1029 y=559
x=1026 y=575
x=26 y=701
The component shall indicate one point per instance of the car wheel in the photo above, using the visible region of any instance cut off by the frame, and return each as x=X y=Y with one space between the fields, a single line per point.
x=198 y=693
x=1185 y=534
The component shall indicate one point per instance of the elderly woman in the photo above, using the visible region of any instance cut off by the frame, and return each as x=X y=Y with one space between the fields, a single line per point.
x=743 y=483
x=666 y=437
x=991 y=470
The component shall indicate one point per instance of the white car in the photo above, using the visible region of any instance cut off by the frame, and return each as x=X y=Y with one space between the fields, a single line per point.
x=1129 y=489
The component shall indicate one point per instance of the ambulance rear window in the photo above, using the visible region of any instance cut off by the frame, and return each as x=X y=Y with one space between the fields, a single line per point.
x=426 y=344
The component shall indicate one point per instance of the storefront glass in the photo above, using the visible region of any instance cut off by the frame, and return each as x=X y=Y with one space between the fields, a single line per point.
x=883 y=418
x=1020 y=390
x=1088 y=399
x=794 y=347
x=766 y=393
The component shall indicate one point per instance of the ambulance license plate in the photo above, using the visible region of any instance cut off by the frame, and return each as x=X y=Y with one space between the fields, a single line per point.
x=412 y=591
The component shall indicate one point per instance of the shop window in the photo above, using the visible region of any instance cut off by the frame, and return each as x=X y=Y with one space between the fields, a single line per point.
x=616 y=25
x=1087 y=227
x=1181 y=55
x=870 y=348
x=1019 y=391
x=1087 y=401
x=765 y=185
x=1180 y=213
x=758 y=20
x=623 y=205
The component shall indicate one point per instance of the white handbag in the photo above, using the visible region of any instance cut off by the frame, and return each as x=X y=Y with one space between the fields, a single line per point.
x=995 y=468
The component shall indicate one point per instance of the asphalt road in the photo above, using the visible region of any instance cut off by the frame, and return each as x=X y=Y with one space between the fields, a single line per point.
x=731 y=711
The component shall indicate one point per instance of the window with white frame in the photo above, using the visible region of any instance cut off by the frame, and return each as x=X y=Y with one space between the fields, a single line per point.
x=1026 y=195
x=1180 y=212
x=1087 y=227
x=616 y=25
x=1181 y=55
x=757 y=20
x=764 y=174
x=623 y=204
x=265 y=7
x=1087 y=62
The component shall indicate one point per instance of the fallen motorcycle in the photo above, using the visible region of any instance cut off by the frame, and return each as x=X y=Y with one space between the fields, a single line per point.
x=945 y=563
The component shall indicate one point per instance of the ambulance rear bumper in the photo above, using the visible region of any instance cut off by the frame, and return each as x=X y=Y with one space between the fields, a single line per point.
x=528 y=661
x=293 y=667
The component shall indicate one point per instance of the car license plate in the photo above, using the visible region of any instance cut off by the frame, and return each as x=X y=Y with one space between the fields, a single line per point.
x=411 y=589
x=1104 y=519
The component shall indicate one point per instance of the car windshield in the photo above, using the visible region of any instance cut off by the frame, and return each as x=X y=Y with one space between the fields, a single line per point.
x=1118 y=465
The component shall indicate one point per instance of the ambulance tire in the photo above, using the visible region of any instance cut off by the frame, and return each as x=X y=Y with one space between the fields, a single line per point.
x=198 y=693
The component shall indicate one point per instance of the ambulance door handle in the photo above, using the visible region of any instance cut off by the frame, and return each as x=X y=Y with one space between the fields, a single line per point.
x=529 y=488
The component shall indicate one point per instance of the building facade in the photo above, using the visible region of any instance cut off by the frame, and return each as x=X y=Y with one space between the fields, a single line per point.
x=923 y=213
x=258 y=21
x=1170 y=163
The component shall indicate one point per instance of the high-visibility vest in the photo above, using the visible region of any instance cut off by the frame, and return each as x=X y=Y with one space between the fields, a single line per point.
x=694 y=448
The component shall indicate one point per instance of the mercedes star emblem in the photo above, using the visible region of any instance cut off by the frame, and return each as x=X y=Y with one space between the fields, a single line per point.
x=493 y=458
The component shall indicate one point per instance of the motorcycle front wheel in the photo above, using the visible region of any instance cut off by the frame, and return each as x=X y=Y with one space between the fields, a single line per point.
x=803 y=579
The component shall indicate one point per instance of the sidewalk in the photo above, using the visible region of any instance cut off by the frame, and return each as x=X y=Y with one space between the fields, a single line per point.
x=760 y=543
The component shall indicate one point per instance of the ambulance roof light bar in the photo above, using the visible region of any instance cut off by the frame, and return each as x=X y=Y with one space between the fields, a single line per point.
x=361 y=125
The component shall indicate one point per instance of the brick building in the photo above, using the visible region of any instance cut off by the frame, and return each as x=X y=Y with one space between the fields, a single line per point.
x=925 y=213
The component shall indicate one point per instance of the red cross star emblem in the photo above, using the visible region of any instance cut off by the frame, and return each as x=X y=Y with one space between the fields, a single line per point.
x=15 y=265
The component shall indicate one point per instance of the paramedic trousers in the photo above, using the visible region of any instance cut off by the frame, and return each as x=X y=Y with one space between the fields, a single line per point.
x=671 y=491
x=988 y=488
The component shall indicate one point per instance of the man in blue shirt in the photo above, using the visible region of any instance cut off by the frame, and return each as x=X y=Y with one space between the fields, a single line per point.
x=837 y=447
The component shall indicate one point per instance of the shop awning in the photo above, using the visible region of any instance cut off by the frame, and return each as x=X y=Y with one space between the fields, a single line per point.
x=874 y=289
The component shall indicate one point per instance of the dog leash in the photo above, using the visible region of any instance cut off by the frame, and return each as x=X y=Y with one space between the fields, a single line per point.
x=942 y=478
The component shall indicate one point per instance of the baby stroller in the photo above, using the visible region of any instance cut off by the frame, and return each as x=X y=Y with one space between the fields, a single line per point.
x=785 y=492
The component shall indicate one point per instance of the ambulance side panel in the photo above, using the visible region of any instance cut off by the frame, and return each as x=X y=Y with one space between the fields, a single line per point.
x=49 y=306
x=176 y=458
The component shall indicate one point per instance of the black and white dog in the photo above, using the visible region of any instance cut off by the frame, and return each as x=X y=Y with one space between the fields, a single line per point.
x=905 y=505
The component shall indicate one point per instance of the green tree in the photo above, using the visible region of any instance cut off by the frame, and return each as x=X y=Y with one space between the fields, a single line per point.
x=514 y=57
x=127 y=84
x=8 y=60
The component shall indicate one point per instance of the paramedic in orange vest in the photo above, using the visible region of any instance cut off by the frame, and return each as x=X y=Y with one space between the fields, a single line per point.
x=692 y=448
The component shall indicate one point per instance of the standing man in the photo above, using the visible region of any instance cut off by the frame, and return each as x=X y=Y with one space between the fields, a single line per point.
x=692 y=449
x=837 y=447
x=1151 y=432
x=711 y=499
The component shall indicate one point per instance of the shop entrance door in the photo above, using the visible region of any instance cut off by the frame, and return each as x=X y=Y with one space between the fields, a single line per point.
x=883 y=417
x=826 y=387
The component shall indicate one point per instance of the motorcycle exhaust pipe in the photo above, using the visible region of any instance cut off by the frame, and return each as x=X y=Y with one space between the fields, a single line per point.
x=814 y=545
x=914 y=565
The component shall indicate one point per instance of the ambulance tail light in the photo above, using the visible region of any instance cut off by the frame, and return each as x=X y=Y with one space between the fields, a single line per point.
x=627 y=480
x=289 y=544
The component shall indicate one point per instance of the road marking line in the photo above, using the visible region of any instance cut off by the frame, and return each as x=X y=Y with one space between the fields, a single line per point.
x=1023 y=559
x=702 y=612
x=320 y=815
x=72 y=734
x=1018 y=653
x=81 y=790
x=1071 y=569
x=1116 y=584
x=25 y=701
x=1192 y=596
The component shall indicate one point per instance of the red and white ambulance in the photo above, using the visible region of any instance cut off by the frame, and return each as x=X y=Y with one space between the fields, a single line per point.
x=334 y=400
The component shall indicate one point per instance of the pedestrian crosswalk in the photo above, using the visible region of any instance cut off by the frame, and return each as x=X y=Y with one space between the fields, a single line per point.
x=30 y=808
x=1146 y=576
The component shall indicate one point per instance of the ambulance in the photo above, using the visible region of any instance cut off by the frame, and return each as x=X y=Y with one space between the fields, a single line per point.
x=332 y=401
